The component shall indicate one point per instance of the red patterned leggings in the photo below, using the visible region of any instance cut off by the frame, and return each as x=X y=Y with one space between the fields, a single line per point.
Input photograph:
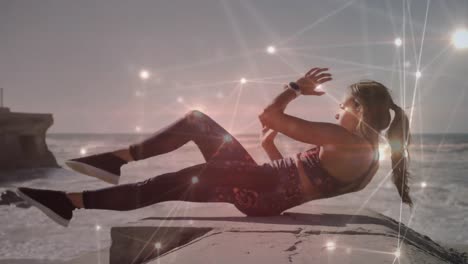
x=229 y=175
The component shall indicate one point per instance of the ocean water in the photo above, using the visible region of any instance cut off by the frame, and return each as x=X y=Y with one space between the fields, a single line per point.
x=437 y=160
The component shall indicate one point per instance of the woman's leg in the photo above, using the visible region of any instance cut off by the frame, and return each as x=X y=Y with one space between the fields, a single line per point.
x=210 y=137
x=194 y=184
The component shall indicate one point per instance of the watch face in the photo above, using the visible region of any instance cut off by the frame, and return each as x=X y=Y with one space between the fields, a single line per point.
x=294 y=86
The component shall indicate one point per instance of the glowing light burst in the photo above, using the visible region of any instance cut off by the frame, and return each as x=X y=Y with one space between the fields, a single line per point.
x=200 y=108
x=397 y=253
x=157 y=245
x=97 y=227
x=83 y=151
x=330 y=245
x=138 y=129
x=227 y=138
x=398 y=42
x=144 y=74
x=383 y=152
x=271 y=49
x=180 y=99
x=243 y=80
x=460 y=38
x=194 y=179
x=423 y=184
x=418 y=74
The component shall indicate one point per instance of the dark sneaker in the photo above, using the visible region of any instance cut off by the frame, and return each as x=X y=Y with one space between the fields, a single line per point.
x=55 y=204
x=104 y=166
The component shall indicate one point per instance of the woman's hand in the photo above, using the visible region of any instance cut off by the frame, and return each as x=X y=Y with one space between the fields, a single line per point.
x=268 y=135
x=312 y=80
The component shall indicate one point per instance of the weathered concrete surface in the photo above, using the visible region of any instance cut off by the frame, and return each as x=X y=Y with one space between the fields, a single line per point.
x=22 y=140
x=218 y=233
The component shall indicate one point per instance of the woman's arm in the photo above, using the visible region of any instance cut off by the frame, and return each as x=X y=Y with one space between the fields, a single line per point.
x=268 y=143
x=281 y=101
x=316 y=133
x=272 y=150
x=312 y=78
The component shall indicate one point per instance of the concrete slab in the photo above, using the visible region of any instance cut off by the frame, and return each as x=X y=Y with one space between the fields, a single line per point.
x=218 y=232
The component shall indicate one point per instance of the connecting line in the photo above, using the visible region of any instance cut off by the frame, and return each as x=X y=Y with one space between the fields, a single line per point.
x=235 y=107
x=210 y=61
x=318 y=21
x=434 y=59
x=372 y=194
x=443 y=138
x=238 y=34
x=205 y=85
x=343 y=45
x=273 y=77
x=392 y=20
x=150 y=238
x=347 y=62
x=412 y=31
x=404 y=132
x=424 y=33
x=414 y=96
x=418 y=63
x=291 y=66
x=174 y=208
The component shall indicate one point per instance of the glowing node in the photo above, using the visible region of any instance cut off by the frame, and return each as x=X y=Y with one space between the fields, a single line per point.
x=418 y=74
x=190 y=222
x=319 y=87
x=180 y=99
x=405 y=153
x=330 y=245
x=138 y=129
x=97 y=227
x=271 y=49
x=243 y=81
x=227 y=138
x=398 y=42
x=144 y=74
x=397 y=253
x=460 y=38
x=157 y=245
x=83 y=151
x=348 y=250
x=200 y=108
x=382 y=152
x=423 y=184
x=194 y=179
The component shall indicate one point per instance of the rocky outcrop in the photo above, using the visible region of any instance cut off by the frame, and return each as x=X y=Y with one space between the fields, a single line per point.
x=22 y=140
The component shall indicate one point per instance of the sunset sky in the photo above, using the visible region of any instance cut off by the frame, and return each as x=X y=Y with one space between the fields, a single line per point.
x=81 y=60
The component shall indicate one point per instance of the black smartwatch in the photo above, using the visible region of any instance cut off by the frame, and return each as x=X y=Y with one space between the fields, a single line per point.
x=295 y=87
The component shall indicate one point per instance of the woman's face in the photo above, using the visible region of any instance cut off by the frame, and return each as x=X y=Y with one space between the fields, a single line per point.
x=348 y=114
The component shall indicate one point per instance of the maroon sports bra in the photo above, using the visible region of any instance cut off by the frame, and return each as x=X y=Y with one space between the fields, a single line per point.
x=327 y=184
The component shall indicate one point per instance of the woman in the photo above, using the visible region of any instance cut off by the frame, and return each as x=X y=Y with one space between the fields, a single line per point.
x=231 y=175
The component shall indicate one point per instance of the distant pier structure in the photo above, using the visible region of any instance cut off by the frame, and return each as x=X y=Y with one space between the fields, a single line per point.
x=22 y=139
